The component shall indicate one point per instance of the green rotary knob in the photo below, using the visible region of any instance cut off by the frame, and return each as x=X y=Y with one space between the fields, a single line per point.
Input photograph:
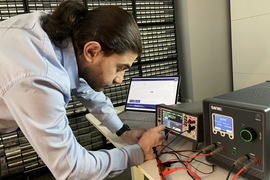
x=248 y=134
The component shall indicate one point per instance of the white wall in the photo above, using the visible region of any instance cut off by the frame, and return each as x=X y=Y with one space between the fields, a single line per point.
x=203 y=33
x=250 y=25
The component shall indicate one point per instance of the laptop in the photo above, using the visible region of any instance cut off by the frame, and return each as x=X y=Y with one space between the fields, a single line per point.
x=143 y=95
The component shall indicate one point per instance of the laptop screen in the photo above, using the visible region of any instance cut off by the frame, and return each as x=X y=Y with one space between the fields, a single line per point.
x=144 y=93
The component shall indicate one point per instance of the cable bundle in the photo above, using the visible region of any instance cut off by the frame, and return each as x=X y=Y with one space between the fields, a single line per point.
x=164 y=166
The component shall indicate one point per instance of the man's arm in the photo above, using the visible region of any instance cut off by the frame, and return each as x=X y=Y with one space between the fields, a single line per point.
x=38 y=106
x=101 y=107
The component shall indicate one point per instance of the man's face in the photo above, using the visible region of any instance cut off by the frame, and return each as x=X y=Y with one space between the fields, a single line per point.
x=106 y=71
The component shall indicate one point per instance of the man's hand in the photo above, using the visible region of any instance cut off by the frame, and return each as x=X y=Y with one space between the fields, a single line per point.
x=150 y=139
x=133 y=136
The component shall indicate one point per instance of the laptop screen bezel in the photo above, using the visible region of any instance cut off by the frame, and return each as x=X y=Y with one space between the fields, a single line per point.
x=141 y=110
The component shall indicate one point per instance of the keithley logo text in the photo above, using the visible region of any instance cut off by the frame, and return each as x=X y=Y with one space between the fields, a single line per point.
x=216 y=108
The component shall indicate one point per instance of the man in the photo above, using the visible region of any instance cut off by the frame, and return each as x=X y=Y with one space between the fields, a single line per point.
x=44 y=58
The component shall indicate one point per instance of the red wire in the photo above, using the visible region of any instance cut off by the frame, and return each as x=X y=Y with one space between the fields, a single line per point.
x=173 y=160
x=171 y=131
x=190 y=165
x=239 y=172
x=196 y=157
x=169 y=171
x=201 y=171
x=159 y=165
x=184 y=151
x=192 y=157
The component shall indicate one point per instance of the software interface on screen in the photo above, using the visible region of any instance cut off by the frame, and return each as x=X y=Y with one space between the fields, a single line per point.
x=172 y=120
x=223 y=123
x=144 y=94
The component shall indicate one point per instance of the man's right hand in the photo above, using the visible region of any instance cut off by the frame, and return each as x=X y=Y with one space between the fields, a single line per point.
x=151 y=138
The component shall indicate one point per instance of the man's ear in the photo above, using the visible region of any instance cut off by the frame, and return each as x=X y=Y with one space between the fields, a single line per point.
x=91 y=50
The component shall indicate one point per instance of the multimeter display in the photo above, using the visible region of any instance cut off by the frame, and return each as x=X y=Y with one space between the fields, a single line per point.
x=172 y=120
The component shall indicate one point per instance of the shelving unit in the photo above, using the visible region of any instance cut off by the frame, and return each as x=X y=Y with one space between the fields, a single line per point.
x=156 y=21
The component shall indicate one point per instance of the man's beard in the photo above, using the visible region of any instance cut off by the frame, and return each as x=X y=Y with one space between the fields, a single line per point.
x=94 y=78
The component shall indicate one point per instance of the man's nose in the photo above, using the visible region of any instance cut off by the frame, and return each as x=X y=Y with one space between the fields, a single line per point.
x=119 y=78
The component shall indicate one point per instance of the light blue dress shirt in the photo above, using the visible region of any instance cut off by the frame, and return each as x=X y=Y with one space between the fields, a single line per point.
x=36 y=79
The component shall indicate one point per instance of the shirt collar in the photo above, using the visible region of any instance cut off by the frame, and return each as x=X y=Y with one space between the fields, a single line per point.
x=70 y=65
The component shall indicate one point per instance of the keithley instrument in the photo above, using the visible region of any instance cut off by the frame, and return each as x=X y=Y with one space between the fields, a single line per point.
x=176 y=117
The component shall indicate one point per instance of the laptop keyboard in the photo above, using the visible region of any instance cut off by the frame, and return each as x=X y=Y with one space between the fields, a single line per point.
x=139 y=116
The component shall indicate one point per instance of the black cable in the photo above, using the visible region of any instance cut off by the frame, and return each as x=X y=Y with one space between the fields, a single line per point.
x=230 y=172
x=174 y=138
x=184 y=165
x=167 y=146
x=185 y=156
x=177 y=157
x=175 y=153
x=194 y=158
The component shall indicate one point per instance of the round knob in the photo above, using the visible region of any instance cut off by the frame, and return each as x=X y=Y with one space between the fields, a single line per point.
x=248 y=134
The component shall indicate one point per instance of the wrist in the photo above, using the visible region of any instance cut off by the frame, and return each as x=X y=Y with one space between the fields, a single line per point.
x=124 y=134
x=122 y=130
